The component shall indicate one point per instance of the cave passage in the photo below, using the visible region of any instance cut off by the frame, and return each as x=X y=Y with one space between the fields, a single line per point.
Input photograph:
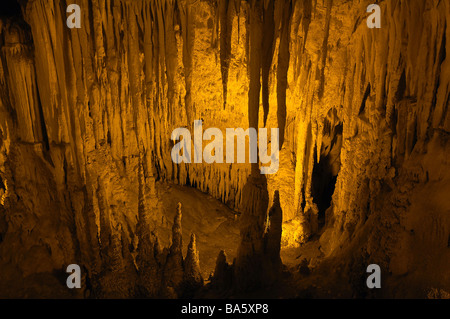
x=9 y=9
x=326 y=170
x=2 y=185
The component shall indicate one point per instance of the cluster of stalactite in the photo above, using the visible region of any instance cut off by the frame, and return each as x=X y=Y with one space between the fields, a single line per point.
x=86 y=117
x=89 y=108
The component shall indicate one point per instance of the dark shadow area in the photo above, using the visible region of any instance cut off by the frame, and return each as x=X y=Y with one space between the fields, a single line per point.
x=2 y=185
x=10 y=9
x=323 y=185
x=326 y=170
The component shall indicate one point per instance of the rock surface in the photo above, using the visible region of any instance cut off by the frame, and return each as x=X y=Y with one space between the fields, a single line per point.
x=86 y=117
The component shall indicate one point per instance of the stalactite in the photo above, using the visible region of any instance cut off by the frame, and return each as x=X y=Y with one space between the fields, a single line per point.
x=171 y=55
x=267 y=53
x=226 y=14
x=135 y=67
x=306 y=20
x=255 y=59
x=187 y=17
x=86 y=116
x=283 y=65
x=150 y=86
x=323 y=59
x=20 y=70
x=237 y=6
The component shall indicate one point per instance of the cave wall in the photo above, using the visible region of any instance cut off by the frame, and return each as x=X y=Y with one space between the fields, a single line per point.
x=87 y=114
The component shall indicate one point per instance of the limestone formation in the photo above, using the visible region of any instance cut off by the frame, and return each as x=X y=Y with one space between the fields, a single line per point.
x=86 y=116
x=192 y=276
x=223 y=273
x=174 y=267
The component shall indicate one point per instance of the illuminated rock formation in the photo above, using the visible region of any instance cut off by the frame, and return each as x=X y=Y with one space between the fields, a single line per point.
x=192 y=276
x=174 y=268
x=86 y=117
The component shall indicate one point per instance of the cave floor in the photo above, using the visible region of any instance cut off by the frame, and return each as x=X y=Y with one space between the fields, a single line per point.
x=213 y=223
x=216 y=227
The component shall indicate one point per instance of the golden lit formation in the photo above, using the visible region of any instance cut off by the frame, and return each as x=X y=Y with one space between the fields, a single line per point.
x=224 y=149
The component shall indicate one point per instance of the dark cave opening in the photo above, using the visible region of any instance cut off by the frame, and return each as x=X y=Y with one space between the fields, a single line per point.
x=326 y=170
x=10 y=9
x=323 y=185
x=2 y=185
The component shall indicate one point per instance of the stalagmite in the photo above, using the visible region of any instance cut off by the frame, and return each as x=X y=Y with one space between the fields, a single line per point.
x=273 y=235
x=223 y=273
x=192 y=276
x=149 y=268
x=174 y=267
x=248 y=271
